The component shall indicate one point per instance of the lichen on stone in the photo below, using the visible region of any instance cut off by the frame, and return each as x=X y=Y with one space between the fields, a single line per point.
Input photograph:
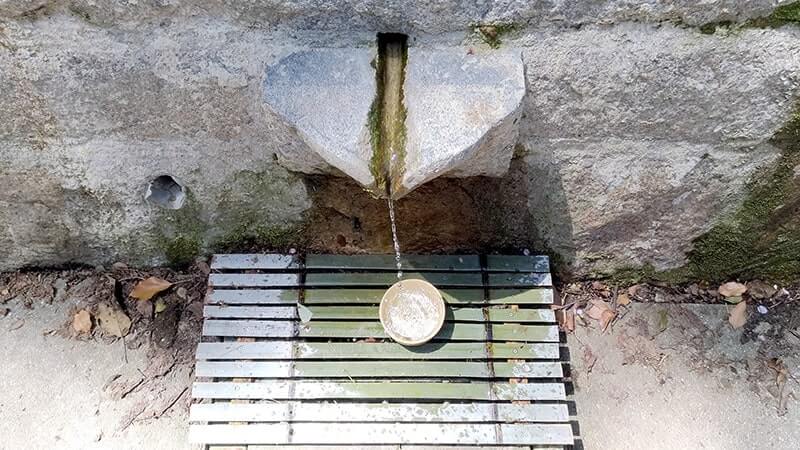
x=492 y=33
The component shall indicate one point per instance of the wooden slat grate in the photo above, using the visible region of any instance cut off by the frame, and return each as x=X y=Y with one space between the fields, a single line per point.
x=492 y=378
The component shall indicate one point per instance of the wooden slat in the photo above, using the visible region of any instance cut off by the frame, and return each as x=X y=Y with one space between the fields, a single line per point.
x=336 y=329
x=250 y=312
x=538 y=296
x=329 y=390
x=255 y=261
x=374 y=433
x=388 y=262
x=517 y=263
x=383 y=279
x=254 y=296
x=254 y=279
x=529 y=279
x=373 y=296
x=384 y=369
x=371 y=313
x=384 y=350
x=377 y=412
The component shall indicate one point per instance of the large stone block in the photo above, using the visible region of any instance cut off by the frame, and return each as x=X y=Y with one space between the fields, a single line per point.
x=342 y=18
x=463 y=109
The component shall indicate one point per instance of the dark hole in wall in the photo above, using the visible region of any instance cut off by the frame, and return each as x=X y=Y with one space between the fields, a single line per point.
x=166 y=192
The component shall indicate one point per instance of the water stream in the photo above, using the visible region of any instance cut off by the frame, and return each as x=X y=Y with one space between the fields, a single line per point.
x=395 y=241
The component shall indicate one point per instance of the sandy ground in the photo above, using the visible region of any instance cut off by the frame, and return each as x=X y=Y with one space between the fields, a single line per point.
x=54 y=391
x=692 y=385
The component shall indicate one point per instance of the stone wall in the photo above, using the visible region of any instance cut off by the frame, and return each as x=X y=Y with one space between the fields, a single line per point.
x=644 y=123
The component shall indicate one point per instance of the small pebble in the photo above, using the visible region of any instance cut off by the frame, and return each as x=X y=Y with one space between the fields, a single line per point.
x=762 y=309
x=292 y=251
x=526 y=252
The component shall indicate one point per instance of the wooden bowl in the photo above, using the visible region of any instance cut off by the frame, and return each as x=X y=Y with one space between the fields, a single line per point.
x=412 y=312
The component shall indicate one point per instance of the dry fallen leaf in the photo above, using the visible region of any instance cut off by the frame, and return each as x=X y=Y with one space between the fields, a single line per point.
x=589 y=359
x=569 y=321
x=623 y=299
x=112 y=320
x=146 y=289
x=607 y=318
x=738 y=315
x=82 y=322
x=601 y=311
x=732 y=289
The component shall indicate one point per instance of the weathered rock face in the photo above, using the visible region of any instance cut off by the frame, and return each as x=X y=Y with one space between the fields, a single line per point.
x=635 y=137
x=325 y=96
x=636 y=150
x=463 y=110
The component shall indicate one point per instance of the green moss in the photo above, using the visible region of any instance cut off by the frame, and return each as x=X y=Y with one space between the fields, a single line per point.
x=248 y=217
x=782 y=15
x=492 y=33
x=387 y=126
x=249 y=237
x=180 y=232
x=182 y=250
x=787 y=13
x=762 y=239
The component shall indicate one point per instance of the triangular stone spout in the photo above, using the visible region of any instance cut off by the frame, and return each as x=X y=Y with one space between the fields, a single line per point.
x=462 y=109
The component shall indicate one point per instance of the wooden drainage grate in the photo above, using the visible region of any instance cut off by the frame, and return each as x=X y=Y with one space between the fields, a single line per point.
x=494 y=375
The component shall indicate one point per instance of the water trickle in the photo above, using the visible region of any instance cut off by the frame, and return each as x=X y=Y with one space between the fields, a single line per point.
x=395 y=241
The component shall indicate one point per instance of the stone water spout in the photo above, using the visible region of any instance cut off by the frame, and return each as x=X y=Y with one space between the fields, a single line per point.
x=393 y=121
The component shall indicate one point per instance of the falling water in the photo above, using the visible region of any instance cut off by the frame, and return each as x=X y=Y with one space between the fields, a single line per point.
x=394 y=239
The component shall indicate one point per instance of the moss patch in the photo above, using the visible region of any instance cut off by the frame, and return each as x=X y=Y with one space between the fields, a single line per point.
x=254 y=211
x=762 y=239
x=182 y=250
x=789 y=13
x=492 y=34
x=180 y=232
x=249 y=237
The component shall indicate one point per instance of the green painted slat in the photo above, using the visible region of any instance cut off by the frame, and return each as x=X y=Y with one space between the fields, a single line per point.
x=368 y=369
x=439 y=279
x=387 y=262
x=334 y=329
x=412 y=390
x=282 y=350
x=537 y=296
x=374 y=296
x=371 y=313
x=457 y=332
x=529 y=279
x=518 y=263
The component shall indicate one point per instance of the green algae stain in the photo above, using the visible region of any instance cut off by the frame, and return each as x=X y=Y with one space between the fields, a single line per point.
x=180 y=232
x=762 y=239
x=248 y=218
x=387 y=116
